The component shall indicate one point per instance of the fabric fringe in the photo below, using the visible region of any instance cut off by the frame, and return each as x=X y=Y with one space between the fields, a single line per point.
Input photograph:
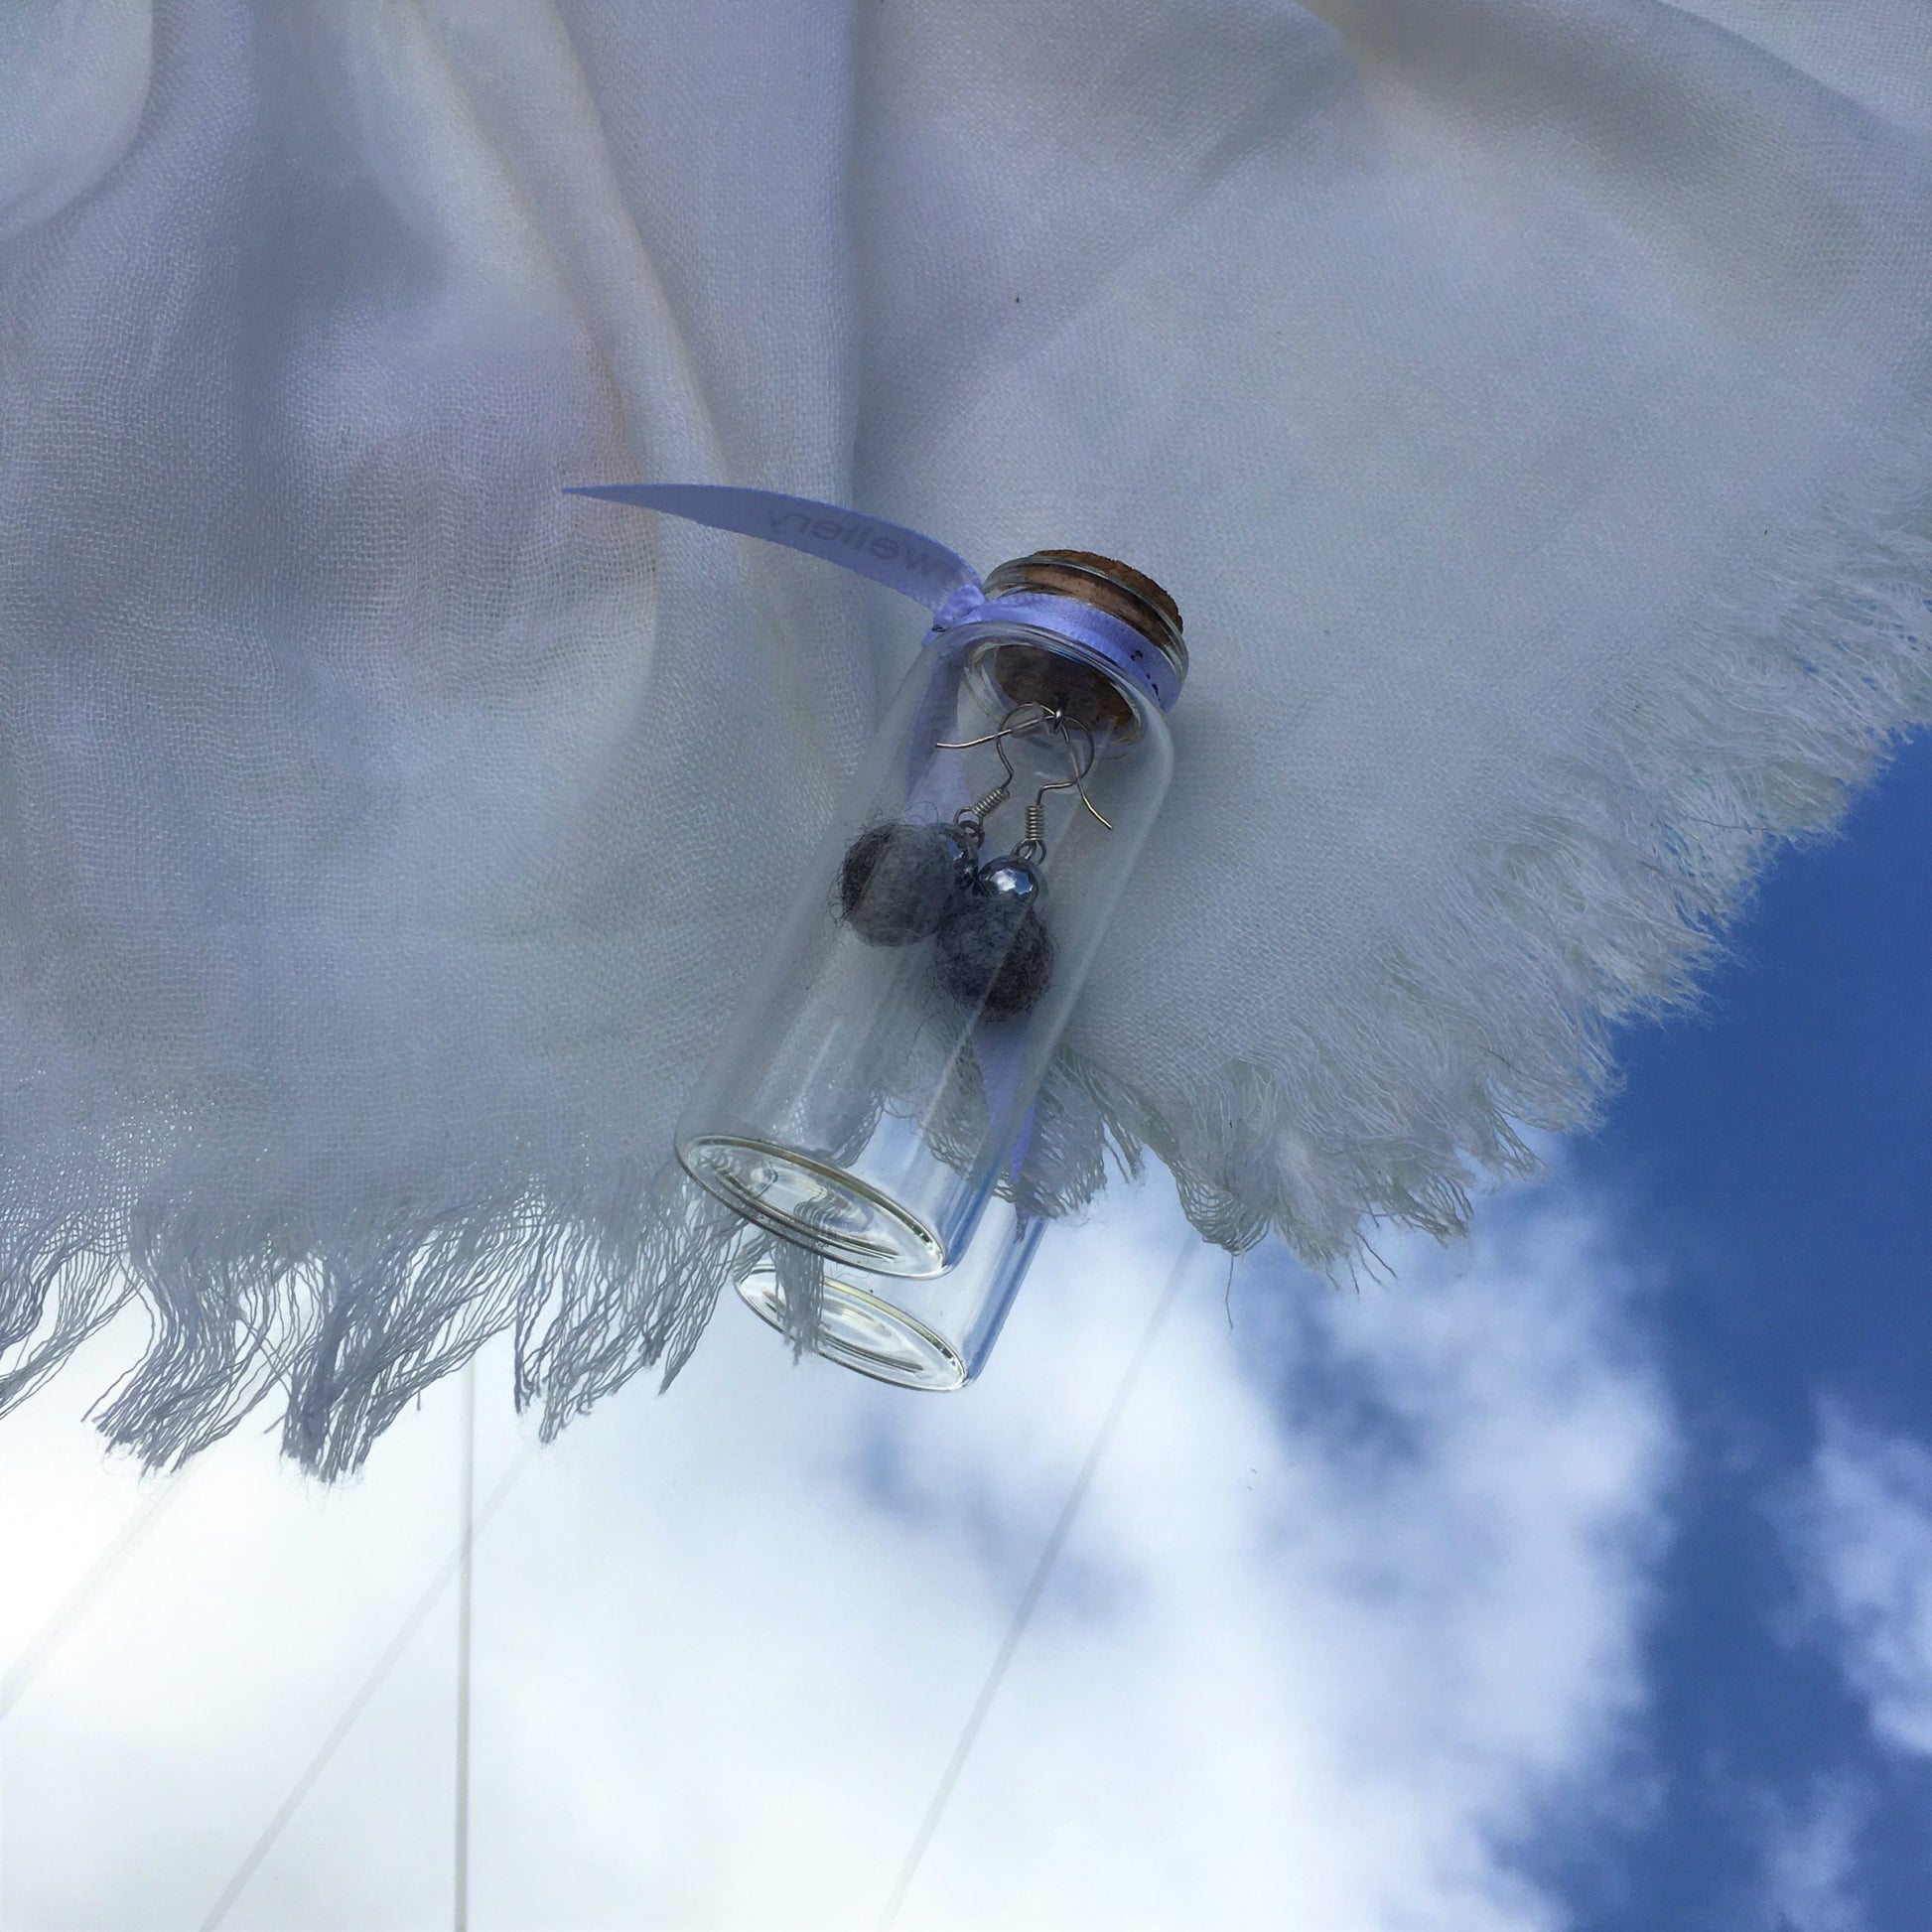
x=1613 y=895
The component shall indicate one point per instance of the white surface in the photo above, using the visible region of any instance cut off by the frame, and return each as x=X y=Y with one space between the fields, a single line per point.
x=1524 y=400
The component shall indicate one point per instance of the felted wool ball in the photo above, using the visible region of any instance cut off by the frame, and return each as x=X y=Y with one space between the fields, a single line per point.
x=899 y=881
x=994 y=950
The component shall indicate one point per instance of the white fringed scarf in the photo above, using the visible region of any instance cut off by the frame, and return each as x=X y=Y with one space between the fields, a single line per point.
x=1526 y=400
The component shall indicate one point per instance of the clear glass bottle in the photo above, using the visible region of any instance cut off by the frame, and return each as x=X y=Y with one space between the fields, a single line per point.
x=932 y=1334
x=884 y=1062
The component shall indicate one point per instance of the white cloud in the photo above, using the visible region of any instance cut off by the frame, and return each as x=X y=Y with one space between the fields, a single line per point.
x=1811 y=1851
x=1355 y=1602
x=1865 y=1532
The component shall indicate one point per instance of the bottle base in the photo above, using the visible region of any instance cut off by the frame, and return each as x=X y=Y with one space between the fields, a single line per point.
x=860 y=1331
x=813 y=1204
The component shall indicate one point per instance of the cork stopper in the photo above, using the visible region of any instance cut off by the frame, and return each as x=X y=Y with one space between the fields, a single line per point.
x=1027 y=676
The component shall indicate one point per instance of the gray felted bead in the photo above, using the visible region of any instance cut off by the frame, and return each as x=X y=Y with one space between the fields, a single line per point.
x=899 y=881
x=994 y=951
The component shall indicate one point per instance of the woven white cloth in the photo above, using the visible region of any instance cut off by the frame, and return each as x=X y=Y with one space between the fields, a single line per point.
x=1526 y=400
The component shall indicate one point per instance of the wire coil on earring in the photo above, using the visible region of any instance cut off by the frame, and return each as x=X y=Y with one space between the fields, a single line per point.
x=994 y=949
x=902 y=882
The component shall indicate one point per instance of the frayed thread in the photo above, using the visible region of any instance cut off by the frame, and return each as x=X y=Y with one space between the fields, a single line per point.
x=1606 y=904
x=1599 y=901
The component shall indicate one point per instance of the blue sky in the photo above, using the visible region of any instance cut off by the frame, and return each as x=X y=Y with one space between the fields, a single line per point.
x=1773 y=1152
x=1578 y=1576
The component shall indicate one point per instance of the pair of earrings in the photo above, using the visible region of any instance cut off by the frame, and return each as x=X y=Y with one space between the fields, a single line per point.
x=903 y=882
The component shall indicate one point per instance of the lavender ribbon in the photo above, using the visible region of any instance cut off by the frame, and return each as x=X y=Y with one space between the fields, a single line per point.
x=903 y=561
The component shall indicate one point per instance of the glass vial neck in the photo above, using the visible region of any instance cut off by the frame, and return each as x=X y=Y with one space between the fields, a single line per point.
x=1107 y=584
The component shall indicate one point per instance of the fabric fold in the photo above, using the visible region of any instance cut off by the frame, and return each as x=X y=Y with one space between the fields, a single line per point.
x=1526 y=403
